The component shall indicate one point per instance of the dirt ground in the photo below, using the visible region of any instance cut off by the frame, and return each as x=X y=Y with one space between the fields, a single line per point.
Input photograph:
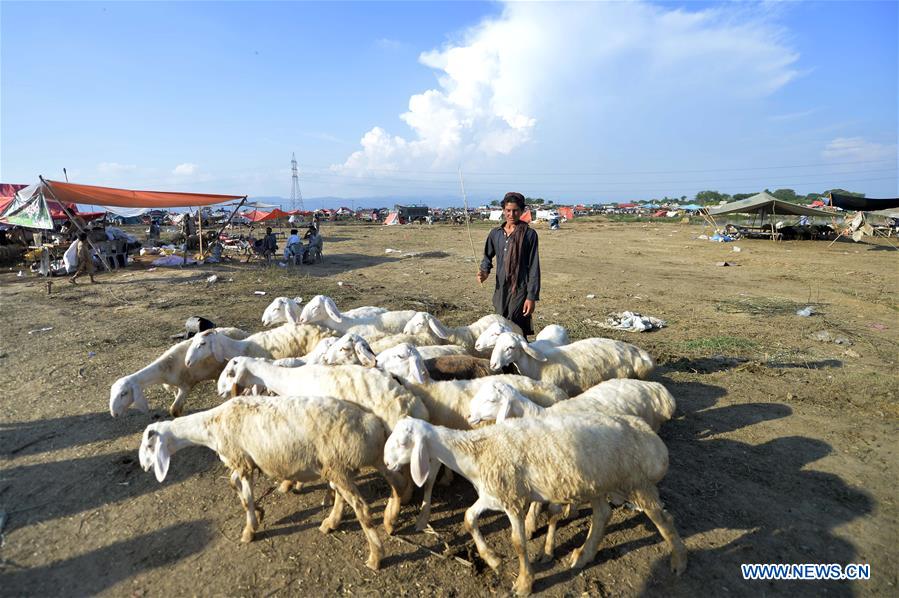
x=783 y=449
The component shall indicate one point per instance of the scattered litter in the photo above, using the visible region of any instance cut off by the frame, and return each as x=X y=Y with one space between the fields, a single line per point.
x=737 y=249
x=723 y=264
x=91 y=354
x=150 y=269
x=721 y=238
x=259 y=292
x=877 y=326
x=850 y=353
x=282 y=264
x=40 y=330
x=591 y=296
x=389 y=250
x=703 y=237
x=630 y=321
x=340 y=283
x=212 y=279
x=806 y=312
x=20 y=274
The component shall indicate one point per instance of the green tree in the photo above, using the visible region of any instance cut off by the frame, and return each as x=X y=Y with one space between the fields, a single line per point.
x=536 y=200
x=711 y=197
x=787 y=195
x=495 y=202
x=843 y=192
x=739 y=196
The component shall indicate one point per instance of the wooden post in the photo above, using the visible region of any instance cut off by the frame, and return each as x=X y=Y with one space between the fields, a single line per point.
x=71 y=216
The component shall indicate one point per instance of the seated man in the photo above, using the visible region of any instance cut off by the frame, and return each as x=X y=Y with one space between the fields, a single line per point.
x=293 y=239
x=314 y=248
x=269 y=243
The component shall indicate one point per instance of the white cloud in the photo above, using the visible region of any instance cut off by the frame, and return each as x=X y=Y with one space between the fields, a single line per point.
x=790 y=116
x=186 y=169
x=507 y=75
x=113 y=168
x=857 y=149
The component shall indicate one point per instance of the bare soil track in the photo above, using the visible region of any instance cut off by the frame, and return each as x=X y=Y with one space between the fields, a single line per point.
x=783 y=449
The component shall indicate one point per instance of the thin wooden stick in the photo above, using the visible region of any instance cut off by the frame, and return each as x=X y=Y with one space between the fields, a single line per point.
x=467 y=219
x=435 y=553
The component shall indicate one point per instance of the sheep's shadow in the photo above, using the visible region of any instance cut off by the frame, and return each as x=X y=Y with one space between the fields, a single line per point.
x=33 y=493
x=18 y=439
x=98 y=570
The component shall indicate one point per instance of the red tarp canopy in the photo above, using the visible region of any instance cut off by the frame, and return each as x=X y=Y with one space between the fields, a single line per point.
x=277 y=213
x=627 y=205
x=526 y=217
x=258 y=215
x=660 y=214
x=127 y=198
x=566 y=213
x=9 y=189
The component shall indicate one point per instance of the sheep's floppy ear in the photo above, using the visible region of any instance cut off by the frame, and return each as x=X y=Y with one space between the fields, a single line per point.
x=419 y=371
x=438 y=328
x=332 y=310
x=140 y=402
x=533 y=352
x=364 y=353
x=420 y=462
x=218 y=351
x=505 y=408
x=161 y=459
x=292 y=313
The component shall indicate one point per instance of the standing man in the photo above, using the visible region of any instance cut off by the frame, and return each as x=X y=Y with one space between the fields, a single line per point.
x=85 y=259
x=514 y=244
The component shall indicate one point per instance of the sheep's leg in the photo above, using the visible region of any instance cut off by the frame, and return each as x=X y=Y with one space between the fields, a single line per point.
x=586 y=553
x=422 y=522
x=525 y=579
x=408 y=486
x=471 y=526
x=648 y=501
x=530 y=522
x=233 y=480
x=350 y=493
x=557 y=512
x=447 y=478
x=177 y=406
x=254 y=515
x=392 y=510
x=288 y=485
x=332 y=521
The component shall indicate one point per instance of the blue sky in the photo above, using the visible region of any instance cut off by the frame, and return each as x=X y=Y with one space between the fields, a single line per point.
x=577 y=102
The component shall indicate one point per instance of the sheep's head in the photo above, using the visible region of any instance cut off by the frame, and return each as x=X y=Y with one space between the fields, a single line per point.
x=320 y=309
x=123 y=393
x=232 y=377
x=317 y=355
x=555 y=334
x=203 y=345
x=156 y=450
x=406 y=445
x=493 y=401
x=281 y=310
x=487 y=339
x=403 y=361
x=510 y=348
x=350 y=349
x=425 y=323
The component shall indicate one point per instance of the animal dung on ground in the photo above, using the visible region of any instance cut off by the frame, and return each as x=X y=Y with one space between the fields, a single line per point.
x=806 y=312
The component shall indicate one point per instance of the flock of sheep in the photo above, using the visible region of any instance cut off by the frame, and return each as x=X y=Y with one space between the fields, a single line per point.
x=328 y=393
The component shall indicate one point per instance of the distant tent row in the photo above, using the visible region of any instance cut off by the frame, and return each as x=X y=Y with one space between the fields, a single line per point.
x=765 y=204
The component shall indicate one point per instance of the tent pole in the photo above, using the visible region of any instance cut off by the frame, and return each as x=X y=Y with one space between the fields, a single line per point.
x=200 y=229
x=80 y=228
x=228 y=221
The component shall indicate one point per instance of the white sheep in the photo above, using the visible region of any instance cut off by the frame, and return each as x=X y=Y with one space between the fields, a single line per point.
x=448 y=401
x=289 y=438
x=560 y=459
x=323 y=311
x=432 y=351
x=551 y=336
x=282 y=310
x=383 y=342
x=650 y=401
x=349 y=349
x=575 y=367
x=466 y=336
x=285 y=310
x=169 y=370
x=371 y=388
x=287 y=340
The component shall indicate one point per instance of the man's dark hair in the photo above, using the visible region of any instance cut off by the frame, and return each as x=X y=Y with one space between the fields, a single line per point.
x=268 y=230
x=514 y=197
x=82 y=236
x=293 y=231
